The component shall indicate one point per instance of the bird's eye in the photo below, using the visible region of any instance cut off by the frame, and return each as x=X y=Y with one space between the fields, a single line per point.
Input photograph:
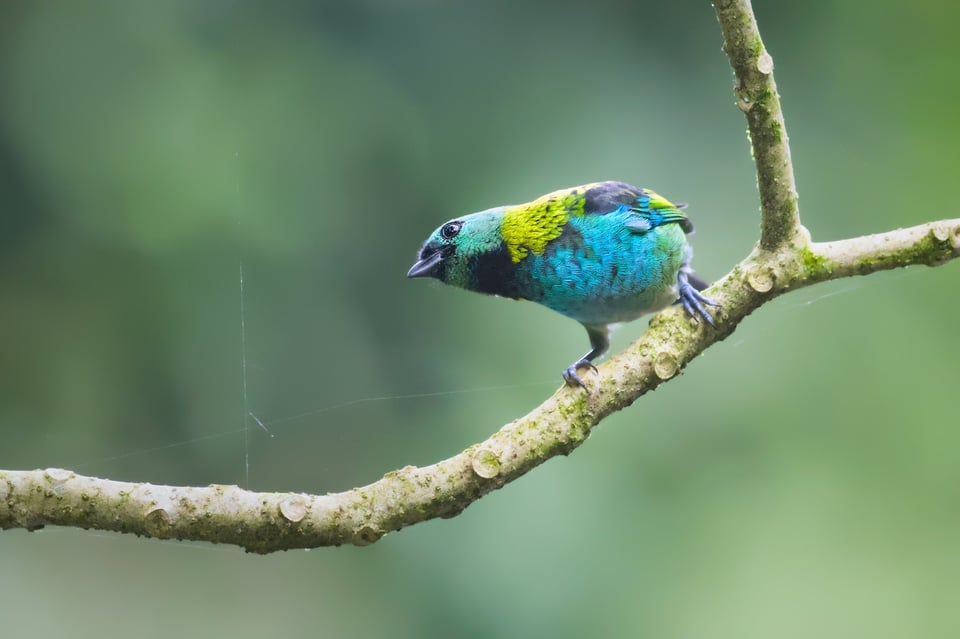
x=449 y=230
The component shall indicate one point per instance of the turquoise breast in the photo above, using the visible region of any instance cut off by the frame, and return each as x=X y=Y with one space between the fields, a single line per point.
x=600 y=272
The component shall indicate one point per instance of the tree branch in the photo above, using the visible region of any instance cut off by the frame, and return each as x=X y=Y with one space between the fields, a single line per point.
x=757 y=97
x=932 y=244
x=265 y=522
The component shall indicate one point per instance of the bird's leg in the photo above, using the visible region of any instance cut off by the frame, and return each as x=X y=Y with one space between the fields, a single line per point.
x=599 y=343
x=690 y=297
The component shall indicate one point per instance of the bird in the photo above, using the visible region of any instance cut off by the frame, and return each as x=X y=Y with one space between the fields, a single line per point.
x=601 y=254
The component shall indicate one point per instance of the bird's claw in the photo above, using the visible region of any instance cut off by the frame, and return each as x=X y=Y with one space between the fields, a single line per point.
x=693 y=302
x=570 y=374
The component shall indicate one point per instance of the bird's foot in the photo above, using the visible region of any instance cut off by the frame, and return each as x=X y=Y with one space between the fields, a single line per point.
x=694 y=302
x=570 y=375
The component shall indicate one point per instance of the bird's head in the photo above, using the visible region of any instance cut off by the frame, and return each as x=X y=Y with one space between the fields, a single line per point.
x=452 y=251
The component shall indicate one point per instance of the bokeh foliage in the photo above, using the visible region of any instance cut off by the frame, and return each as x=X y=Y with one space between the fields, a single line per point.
x=799 y=480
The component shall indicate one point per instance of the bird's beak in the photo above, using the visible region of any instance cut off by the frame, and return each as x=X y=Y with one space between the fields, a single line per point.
x=426 y=265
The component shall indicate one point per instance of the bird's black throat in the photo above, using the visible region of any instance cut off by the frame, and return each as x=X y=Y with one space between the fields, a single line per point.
x=494 y=273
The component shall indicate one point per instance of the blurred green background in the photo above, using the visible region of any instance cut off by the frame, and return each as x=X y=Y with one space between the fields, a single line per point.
x=801 y=478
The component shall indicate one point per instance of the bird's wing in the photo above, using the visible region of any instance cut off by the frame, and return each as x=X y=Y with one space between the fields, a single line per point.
x=529 y=228
x=647 y=209
x=652 y=210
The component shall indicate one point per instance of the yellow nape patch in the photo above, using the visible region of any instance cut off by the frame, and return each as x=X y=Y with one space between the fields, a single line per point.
x=530 y=227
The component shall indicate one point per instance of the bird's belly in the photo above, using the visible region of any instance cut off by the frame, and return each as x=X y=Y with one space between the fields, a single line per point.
x=609 y=307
